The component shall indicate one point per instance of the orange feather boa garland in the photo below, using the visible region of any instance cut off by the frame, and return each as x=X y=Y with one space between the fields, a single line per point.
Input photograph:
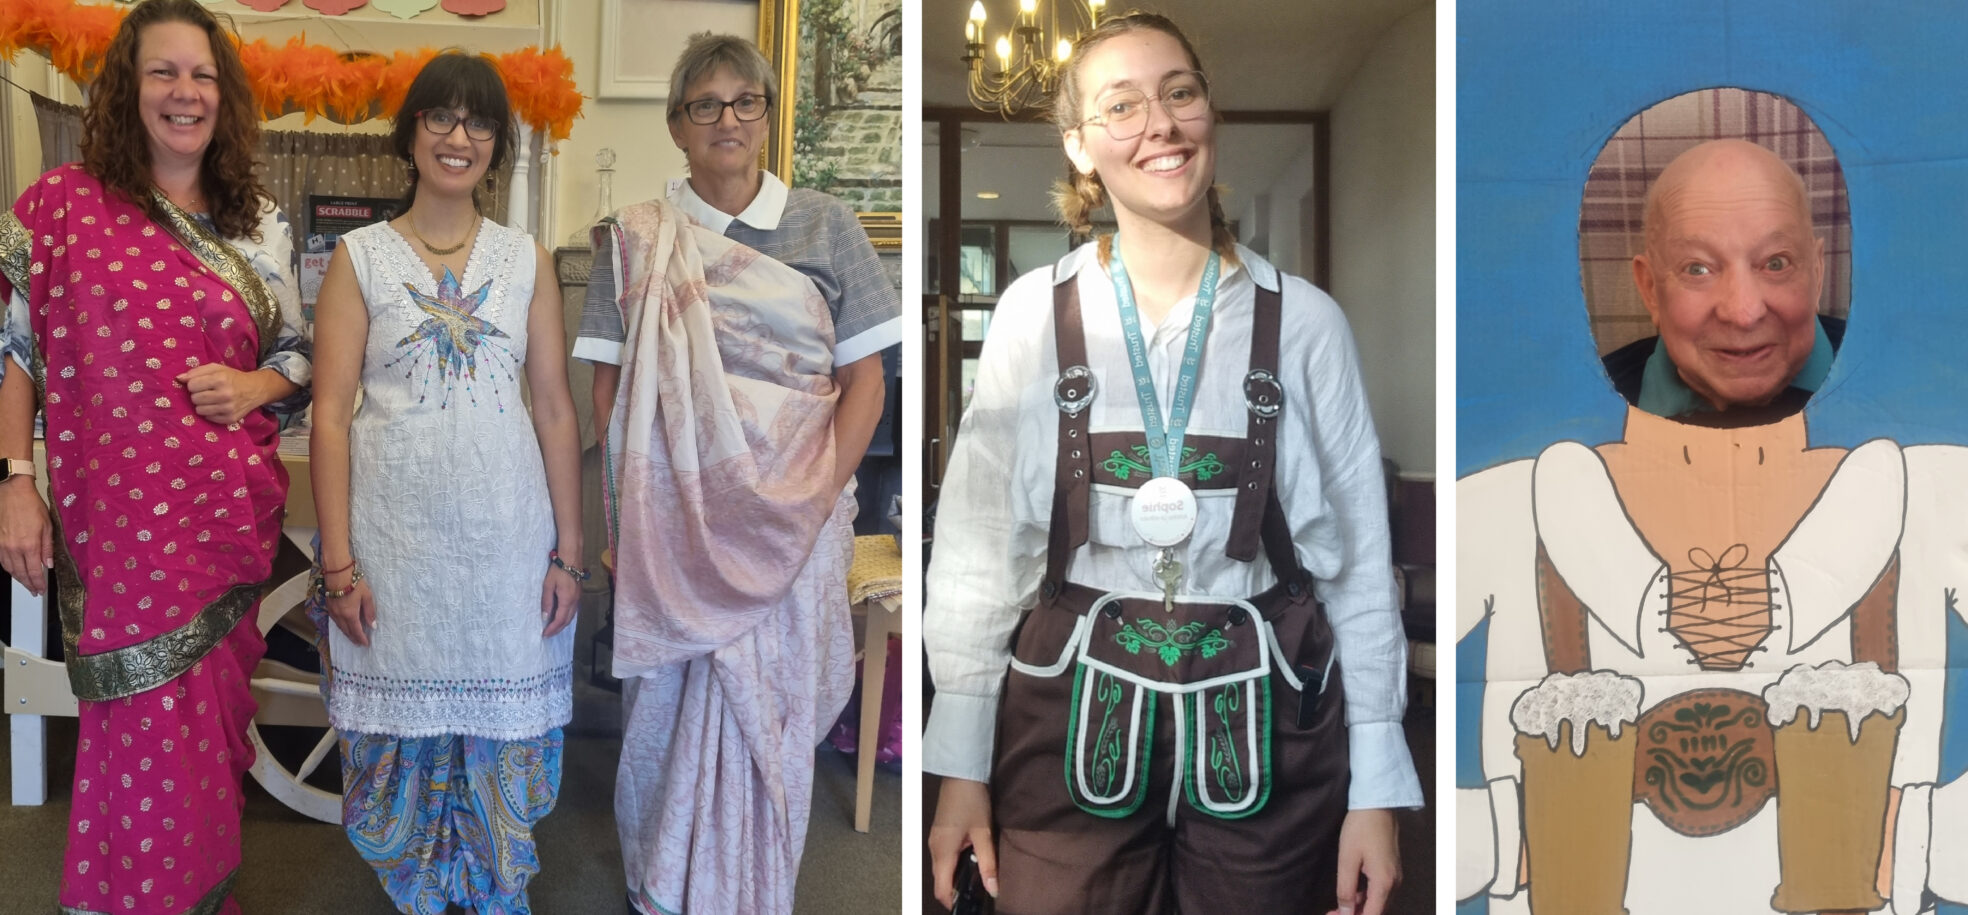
x=313 y=79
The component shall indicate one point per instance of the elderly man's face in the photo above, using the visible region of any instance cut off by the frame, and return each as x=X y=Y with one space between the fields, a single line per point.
x=1731 y=276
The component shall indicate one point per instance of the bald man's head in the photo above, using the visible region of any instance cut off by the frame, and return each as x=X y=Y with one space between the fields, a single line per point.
x=1731 y=272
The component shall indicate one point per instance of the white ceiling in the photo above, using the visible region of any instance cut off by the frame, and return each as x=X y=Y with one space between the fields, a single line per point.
x=1262 y=55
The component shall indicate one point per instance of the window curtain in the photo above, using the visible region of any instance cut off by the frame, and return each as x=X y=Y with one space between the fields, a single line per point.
x=1616 y=193
x=298 y=163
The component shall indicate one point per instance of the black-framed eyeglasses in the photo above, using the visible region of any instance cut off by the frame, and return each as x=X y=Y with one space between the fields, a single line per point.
x=707 y=111
x=1124 y=112
x=442 y=121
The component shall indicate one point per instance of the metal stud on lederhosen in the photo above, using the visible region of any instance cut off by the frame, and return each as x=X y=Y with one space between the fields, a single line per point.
x=1127 y=724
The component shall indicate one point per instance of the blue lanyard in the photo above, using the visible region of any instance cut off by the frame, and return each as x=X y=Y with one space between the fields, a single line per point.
x=1164 y=448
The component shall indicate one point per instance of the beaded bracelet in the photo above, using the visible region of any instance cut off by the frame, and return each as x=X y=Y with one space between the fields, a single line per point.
x=553 y=556
x=322 y=582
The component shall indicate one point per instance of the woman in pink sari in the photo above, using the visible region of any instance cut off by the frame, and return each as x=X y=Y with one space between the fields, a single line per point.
x=142 y=321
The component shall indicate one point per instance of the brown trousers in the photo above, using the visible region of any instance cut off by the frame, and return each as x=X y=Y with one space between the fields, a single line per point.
x=1054 y=856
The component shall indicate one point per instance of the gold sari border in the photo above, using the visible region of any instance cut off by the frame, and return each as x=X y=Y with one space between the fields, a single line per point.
x=151 y=663
x=231 y=266
x=207 y=905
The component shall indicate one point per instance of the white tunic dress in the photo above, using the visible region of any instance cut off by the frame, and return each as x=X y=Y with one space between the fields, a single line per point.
x=448 y=505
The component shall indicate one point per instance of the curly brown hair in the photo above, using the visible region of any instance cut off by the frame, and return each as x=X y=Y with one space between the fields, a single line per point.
x=116 y=145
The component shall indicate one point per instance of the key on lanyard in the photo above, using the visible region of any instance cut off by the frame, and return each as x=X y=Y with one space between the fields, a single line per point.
x=1168 y=570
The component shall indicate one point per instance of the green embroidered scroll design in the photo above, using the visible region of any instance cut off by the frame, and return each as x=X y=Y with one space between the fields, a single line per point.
x=1123 y=465
x=1223 y=761
x=1109 y=742
x=1171 y=644
x=1108 y=753
x=1218 y=762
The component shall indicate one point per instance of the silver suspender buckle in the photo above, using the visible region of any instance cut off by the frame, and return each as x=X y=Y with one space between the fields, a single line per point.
x=1073 y=392
x=1263 y=395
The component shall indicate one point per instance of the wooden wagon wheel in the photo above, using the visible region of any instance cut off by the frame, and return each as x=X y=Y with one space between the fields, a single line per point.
x=290 y=696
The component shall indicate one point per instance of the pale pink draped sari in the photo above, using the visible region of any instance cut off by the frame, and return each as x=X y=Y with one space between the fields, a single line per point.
x=732 y=545
x=167 y=525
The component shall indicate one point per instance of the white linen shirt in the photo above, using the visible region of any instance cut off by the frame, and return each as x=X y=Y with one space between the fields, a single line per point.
x=996 y=503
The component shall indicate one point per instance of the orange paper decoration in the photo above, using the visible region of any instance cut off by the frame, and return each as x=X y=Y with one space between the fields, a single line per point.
x=313 y=79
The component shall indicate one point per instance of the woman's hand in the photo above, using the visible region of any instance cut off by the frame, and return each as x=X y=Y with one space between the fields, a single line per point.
x=27 y=540
x=354 y=612
x=1370 y=847
x=226 y=395
x=963 y=817
x=560 y=600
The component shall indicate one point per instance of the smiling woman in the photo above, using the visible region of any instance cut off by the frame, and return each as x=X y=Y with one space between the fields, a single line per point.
x=1169 y=560
x=105 y=265
x=443 y=516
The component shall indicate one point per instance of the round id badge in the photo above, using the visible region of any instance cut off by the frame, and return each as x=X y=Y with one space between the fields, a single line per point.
x=1164 y=511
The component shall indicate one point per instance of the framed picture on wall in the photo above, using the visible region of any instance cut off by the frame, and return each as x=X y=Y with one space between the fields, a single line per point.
x=837 y=127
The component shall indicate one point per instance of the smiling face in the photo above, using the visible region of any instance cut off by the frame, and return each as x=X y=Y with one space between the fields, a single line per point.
x=178 y=92
x=451 y=163
x=1731 y=273
x=729 y=147
x=1164 y=174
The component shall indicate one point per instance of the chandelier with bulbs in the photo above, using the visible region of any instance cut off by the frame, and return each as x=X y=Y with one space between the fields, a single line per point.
x=1030 y=56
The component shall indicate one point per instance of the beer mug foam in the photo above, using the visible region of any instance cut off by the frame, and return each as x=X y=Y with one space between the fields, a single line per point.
x=1600 y=697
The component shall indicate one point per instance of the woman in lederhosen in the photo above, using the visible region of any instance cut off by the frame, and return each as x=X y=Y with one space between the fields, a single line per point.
x=1169 y=461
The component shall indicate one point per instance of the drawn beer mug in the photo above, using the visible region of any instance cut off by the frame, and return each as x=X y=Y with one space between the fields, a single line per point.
x=1834 y=769
x=1575 y=739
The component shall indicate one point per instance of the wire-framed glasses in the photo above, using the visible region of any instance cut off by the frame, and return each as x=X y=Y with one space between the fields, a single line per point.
x=442 y=121
x=706 y=111
x=1124 y=112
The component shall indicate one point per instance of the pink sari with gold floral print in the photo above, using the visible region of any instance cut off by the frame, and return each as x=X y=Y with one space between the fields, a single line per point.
x=167 y=525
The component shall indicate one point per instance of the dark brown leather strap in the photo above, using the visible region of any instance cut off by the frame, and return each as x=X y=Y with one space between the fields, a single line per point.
x=1254 y=487
x=1566 y=650
x=1874 y=622
x=1071 y=475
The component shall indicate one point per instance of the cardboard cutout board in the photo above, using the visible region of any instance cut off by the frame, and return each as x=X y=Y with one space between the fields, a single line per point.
x=1711 y=670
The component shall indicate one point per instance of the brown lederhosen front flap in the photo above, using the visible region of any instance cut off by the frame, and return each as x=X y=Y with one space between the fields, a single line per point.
x=1705 y=760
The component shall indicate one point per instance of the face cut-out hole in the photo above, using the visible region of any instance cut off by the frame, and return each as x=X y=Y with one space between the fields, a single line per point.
x=1611 y=212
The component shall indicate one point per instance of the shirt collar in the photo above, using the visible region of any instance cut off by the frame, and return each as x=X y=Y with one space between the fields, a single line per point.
x=763 y=213
x=1260 y=270
x=1663 y=393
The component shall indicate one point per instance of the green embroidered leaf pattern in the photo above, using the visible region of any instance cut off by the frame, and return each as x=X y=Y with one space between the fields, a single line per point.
x=1123 y=466
x=1223 y=749
x=1171 y=644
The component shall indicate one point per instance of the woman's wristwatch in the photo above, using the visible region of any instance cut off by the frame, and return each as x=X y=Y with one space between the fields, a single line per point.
x=15 y=467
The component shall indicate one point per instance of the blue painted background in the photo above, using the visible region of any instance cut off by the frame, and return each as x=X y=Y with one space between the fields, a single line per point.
x=1541 y=86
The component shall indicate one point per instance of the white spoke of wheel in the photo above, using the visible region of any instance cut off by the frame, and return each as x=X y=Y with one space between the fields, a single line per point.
x=314 y=759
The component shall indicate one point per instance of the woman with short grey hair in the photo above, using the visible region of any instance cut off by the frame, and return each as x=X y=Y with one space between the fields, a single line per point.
x=732 y=544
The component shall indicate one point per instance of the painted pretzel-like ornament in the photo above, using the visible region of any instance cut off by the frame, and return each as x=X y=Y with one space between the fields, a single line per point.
x=1073 y=392
x=1263 y=395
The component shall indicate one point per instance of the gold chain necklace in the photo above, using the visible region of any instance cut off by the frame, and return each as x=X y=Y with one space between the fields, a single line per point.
x=435 y=250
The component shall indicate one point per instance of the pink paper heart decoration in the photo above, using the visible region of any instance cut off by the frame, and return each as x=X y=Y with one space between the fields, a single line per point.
x=474 y=7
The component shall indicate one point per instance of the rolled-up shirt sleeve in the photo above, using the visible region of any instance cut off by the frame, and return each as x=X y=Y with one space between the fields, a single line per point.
x=275 y=259
x=989 y=548
x=600 y=336
x=1342 y=531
